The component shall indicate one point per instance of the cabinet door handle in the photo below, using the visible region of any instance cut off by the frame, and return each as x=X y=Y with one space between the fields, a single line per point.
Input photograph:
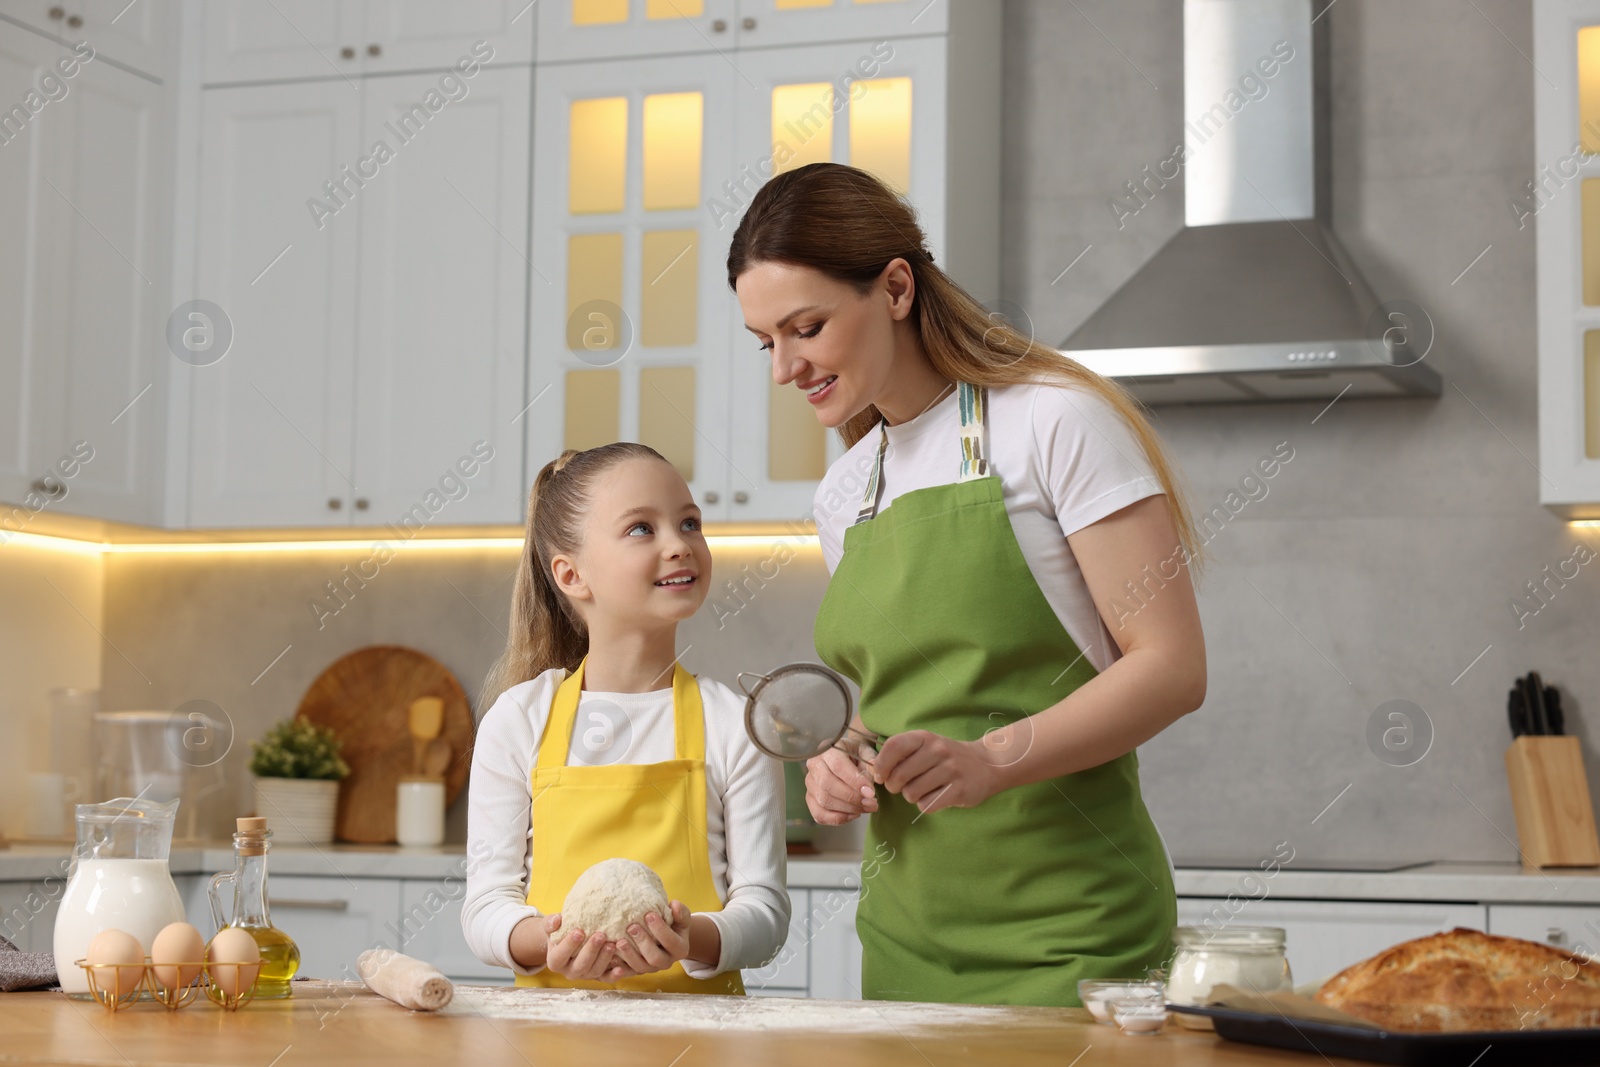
x=374 y=50
x=1556 y=935
x=748 y=23
x=57 y=14
x=43 y=487
x=74 y=21
x=741 y=497
x=711 y=496
x=347 y=52
x=362 y=503
x=717 y=25
x=309 y=905
x=334 y=503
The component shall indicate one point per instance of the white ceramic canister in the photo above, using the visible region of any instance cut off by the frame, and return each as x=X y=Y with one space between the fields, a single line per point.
x=419 y=811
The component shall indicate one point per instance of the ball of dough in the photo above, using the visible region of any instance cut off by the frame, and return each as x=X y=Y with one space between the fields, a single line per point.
x=612 y=895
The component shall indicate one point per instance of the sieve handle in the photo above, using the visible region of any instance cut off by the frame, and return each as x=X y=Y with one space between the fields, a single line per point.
x=749 y=674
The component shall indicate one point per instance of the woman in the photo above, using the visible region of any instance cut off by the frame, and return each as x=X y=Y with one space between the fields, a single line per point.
x=1013 y=851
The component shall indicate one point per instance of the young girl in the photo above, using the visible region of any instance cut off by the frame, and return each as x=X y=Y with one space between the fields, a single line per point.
x=599 y=745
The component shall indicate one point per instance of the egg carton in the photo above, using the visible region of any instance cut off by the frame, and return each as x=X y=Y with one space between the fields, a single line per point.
x=124 y=991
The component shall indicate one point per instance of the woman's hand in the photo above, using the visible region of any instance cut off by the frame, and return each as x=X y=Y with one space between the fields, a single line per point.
x=935 y=772
x=837 y=790
x=653 y=946
x=574 y=956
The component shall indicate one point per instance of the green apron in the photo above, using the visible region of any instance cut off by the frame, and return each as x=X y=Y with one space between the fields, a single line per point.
x=934 y=613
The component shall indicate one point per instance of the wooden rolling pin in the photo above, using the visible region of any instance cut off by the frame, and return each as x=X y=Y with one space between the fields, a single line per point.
x=408 y=982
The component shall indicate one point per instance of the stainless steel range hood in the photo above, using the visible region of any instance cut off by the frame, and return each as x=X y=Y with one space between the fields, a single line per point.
x=1254 y=299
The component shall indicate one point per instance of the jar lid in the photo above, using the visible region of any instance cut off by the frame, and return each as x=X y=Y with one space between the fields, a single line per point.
x=1230 y=938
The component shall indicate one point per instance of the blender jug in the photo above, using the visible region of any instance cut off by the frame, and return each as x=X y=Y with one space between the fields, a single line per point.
x=119 y=880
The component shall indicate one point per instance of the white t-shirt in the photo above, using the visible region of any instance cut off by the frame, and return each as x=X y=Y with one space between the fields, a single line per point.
x=744 y=812
x=1065 y=460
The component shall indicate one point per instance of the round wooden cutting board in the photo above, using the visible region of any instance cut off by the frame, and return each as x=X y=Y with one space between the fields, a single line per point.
x=365 y=698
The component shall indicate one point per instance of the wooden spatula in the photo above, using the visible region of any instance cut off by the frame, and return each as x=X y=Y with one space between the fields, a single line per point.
x=427 y=718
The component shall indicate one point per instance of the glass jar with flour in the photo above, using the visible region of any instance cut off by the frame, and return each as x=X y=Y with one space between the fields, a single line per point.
x=1250 y=958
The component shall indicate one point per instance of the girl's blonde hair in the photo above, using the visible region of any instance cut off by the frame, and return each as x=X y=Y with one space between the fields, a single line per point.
x=848 y=225
x=546 y=629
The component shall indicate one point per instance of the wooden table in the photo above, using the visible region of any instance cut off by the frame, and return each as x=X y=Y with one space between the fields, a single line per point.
x=342 y=1024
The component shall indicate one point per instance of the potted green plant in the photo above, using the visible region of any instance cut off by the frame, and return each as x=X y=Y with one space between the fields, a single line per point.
x=298 y=769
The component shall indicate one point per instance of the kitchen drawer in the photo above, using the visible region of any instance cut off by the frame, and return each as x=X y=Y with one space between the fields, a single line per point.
x=430 y=929
x=835 y=948
x=1324 y=937
x=28 y=913
x=790 y=969
x=332 y=920
x=1571 y=927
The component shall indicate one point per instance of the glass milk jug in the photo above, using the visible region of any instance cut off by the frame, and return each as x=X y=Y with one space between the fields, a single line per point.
x=119 y=880
x=280 y=956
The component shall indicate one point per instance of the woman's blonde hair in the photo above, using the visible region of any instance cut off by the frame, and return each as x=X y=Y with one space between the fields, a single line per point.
x=848 y=225
x=546 y=629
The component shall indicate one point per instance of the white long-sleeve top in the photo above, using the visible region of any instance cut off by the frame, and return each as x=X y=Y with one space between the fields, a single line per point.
x=744 y=812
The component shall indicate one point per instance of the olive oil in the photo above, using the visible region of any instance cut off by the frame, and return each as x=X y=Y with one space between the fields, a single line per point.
x=280 y=956
x=280 y=959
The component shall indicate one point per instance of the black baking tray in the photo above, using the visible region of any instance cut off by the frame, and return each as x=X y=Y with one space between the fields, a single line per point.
x=1491 y=1048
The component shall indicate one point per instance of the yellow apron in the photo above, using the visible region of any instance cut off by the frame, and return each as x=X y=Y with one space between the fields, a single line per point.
x=654 y=813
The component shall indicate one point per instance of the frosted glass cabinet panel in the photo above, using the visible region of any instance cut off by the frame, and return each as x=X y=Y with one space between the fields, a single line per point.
x=580 y=30
x=645 y=167
x=625 y=284
x=1566 y=111
x=793 y=117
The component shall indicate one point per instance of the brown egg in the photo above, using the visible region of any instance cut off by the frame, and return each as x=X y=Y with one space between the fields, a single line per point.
x=118 y=961
x=233 y=946
x=176 y=943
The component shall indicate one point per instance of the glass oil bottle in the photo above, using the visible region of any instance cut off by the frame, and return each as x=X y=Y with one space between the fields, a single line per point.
x=280 y=956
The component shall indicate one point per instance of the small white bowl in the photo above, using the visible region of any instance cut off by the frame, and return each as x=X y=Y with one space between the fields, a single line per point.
x=1097 y=994
x=1139 y=1016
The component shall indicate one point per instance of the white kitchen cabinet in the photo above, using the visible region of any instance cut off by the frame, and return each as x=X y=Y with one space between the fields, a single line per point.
x=139 y=35
x=881 y=106
x=577 y=30
x=830 y=924
x=441 y=355
x=1571 y=927
x=768 y=23
x=28 y=913
x=629 y=306
x=271 y=441
x=574 y=30
x=376 y=304
x=332 y=920
x=1324 y=937
x=83 y=361
x=919 y=111
x=283 y=40
x=789 y=973
x=429 y=928
x=1566 y=218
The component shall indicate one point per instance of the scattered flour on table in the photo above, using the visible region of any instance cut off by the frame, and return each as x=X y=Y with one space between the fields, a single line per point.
x=678 y=1011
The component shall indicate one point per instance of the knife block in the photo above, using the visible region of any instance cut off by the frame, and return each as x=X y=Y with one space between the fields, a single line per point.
x=1550 y=795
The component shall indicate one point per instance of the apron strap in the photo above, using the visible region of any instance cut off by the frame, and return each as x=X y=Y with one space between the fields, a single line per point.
x=973 y=402
x=688 y=715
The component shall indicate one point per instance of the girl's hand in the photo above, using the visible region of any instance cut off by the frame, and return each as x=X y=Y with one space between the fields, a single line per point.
x=934 y=772
x=837 y=790
x=653 y=946
x=574 y=956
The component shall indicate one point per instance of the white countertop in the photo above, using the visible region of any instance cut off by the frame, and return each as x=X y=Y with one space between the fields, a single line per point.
x=1504 y=883
x=35 y=861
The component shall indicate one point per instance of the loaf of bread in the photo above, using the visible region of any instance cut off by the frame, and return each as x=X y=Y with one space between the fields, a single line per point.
x=1466 y=980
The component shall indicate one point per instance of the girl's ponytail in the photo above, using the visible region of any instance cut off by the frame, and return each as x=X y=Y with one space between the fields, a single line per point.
x=546 y=630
